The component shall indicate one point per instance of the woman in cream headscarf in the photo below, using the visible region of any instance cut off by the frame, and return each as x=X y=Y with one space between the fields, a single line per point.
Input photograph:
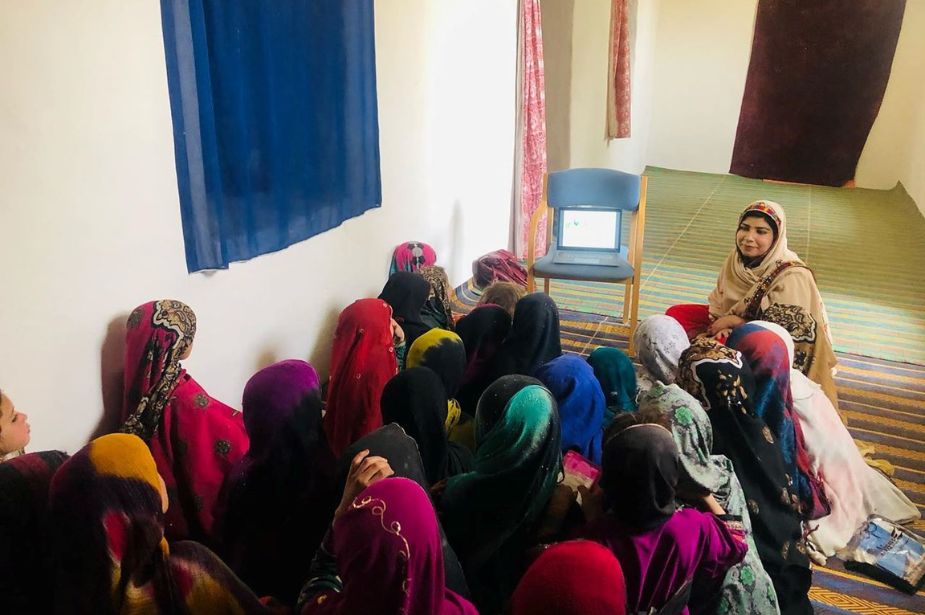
x=763 y=279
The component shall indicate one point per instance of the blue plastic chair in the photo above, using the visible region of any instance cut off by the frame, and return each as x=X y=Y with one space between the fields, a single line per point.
x=600 y=188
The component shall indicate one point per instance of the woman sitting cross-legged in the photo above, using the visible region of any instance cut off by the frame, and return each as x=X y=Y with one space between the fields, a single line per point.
x=762 y=279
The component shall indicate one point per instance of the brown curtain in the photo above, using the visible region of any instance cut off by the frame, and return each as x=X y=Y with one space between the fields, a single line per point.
x=816 y=78
x=618 y=74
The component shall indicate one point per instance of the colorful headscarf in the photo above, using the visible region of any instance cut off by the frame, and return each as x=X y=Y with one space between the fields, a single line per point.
x=25 y=558
x=443 y=352
x=719 y=378
x=362 y=361
x=281 y=496
x=194 y=438
x=416 y=400
x=437 y=312
x=659 y=342
x=578 y=577
x=533 y=339
x=769 y=361
x=389 y=556
x=106 y=504
x=407 y=293
x=581 y=403
x=411 y=256
x=747 y=587
x=157 y=334
x=641 y=460
x=491 y=512
x=617 y=377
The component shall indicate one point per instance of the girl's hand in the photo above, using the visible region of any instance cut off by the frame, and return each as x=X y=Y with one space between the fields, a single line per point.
x=592 y=502
x=398 y=335
x=364 y=471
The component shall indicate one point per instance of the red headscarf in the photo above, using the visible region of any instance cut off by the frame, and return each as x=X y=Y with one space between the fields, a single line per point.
x=580 y=577
x=362 y=361
x=195 y=439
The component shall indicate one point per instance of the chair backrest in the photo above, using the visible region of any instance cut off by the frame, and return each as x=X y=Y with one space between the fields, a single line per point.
x=595 y=187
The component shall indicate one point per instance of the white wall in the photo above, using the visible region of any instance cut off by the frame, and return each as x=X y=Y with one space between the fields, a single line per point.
x=589 y=146
x=895 y=149
x=90 y=218
x=701 y=60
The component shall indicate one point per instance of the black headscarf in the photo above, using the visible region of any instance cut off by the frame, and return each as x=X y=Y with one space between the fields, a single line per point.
x=533 y=339
x=407 y=293
x=416 y=400
x=718 y=377
x=391 y=442
x=482 y=331
x=640 y=472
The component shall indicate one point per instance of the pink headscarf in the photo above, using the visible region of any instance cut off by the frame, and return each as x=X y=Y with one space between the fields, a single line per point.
x=390 y=557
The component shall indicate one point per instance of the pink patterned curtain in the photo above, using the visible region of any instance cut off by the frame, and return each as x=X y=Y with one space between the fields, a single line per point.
x=618 y=86
x=531 y=129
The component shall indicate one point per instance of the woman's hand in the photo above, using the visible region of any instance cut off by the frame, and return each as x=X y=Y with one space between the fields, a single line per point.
x=592 y=502
x=364 y=471
x=724 y=324
x=398 y=335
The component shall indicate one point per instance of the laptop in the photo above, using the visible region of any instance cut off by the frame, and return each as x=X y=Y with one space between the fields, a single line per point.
x=588 y=236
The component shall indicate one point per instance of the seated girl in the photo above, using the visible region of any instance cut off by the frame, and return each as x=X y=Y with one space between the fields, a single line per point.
x=362 y=361
x=107 y=504
x=533 y=338
x=279 y=499
x=482 y=331
x=659 y=342
x=194 y=438
x=416 y=400
x=492 y=514
x=25 y=557
x=661 y=549
x=411 y=256
x=762 y=279
x=578 y=577
x=580 y=401
x=854 y=489
x=437 y=311
x=720 y=379
x=442 y=352
x=617 y=376
x=14 y=429
x=407 y=293
x=747 y=588
x=383 y=553
x=503 y=294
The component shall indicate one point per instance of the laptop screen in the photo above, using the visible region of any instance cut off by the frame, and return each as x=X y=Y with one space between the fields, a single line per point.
x=589 y=229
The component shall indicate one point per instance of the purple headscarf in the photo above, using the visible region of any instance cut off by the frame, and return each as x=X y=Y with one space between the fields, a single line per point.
x=390 y=557
x=271 y=397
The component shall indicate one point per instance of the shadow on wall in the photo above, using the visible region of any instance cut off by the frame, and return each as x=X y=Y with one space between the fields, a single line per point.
x=320 y=355
x=112 y=357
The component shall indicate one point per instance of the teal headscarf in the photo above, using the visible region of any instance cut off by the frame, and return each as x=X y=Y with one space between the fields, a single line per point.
x=617 y=375
x=491 y=513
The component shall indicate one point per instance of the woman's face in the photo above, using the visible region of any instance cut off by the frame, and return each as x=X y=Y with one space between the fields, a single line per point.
x=14 y=427
x=754 y=237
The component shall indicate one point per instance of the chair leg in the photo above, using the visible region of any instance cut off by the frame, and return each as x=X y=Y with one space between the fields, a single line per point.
x=531 y=282
x=634 y=316
x=546 y=285
x=626 y=304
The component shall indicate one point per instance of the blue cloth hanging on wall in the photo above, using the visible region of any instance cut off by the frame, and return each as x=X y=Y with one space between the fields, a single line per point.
x=275 y=121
